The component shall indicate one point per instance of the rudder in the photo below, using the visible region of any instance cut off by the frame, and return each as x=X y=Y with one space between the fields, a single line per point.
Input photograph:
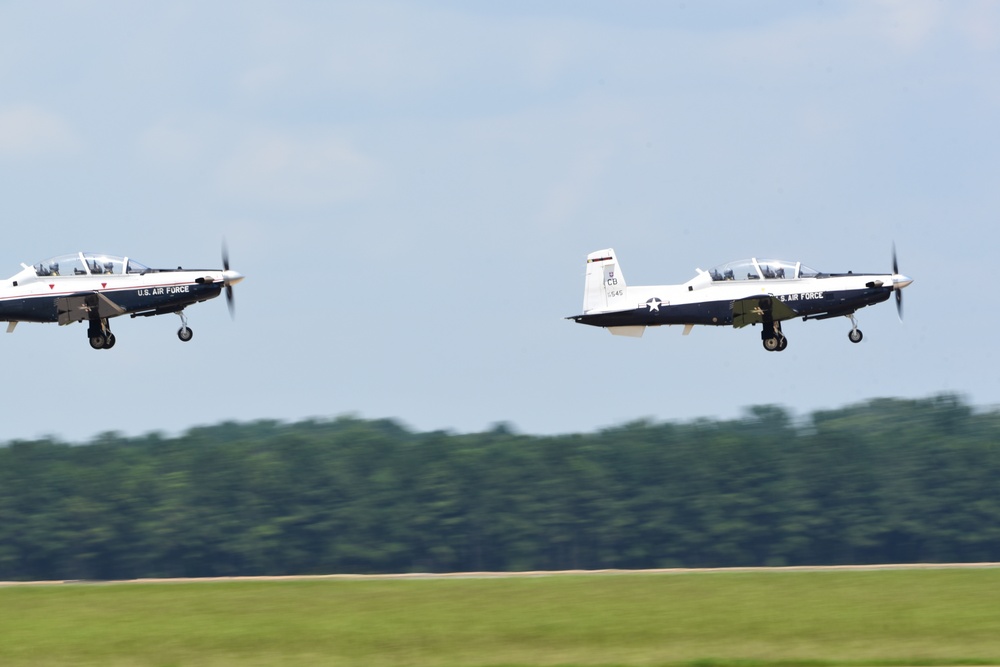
x=605 y=287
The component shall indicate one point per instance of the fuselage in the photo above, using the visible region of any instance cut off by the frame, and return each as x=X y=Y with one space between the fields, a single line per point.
x=709 y=302
x=740 y=293
x=38 y=293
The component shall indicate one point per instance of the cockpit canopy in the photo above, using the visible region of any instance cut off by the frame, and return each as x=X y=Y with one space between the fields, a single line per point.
x=88 y=264
x=761 y=269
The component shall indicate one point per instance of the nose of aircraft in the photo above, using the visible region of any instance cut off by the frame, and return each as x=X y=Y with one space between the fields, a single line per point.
x=232 y=277
x=899 y=281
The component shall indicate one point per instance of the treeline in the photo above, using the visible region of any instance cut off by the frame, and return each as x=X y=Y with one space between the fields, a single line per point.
x=886 y=481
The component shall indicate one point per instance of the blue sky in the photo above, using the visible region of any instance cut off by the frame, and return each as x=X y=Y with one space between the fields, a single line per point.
x=411 y=190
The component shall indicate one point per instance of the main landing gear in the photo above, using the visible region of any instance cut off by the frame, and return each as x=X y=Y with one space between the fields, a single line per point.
x=98 y=330
x=772 y=338
x=99 y=334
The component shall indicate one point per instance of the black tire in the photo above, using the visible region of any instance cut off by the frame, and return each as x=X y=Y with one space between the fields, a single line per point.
x=185 y=334
x=109 y=341
x=855 y=335
x=98 y=342
x=772 y=344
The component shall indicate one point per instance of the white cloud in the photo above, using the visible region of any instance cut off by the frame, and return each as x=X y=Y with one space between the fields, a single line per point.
x=980 y=24
x=297 y=170
x=27 y=131
x=910 y=23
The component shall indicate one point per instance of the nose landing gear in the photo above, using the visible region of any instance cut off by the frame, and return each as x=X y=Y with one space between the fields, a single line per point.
x=184 y=333
x=855 y=333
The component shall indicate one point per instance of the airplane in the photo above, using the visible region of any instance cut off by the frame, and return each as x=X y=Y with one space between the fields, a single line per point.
x=745 y=292
x=95 y=287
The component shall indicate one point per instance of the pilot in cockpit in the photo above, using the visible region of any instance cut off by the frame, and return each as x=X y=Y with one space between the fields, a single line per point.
x=109 y=267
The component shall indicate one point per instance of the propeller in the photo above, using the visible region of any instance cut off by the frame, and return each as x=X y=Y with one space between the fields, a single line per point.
x=230 y=278
x=895 y=272
x=899 y=281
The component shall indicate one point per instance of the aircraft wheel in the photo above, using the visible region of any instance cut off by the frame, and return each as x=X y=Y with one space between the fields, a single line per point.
x=98 y=342
x=109 y=341
x=185 y=334
x=772 y=344
x=782 y=344
x=855 y=335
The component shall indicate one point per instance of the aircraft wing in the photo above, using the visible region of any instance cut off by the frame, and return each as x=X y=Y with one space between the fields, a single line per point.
x=77 y=307
x=754 y=309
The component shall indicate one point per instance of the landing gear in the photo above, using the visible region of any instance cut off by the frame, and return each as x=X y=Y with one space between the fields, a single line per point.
x=774 y=344
x=184 y=333
x=99 y=331
x=855 y=333
x=772 y=338
x=99 y=334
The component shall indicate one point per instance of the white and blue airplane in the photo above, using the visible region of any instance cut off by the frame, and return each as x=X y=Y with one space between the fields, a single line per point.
x=750 y=291
x=94 y=288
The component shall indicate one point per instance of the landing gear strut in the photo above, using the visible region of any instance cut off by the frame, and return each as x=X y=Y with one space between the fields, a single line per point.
x=99 y=334
x=184 y=333
x=855 y=333
x=772 y=338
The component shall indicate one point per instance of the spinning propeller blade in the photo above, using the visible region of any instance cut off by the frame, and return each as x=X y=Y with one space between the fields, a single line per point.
x=898 y=283
x=229 y=280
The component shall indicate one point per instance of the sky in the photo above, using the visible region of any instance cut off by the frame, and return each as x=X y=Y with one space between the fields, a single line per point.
x=411 y=190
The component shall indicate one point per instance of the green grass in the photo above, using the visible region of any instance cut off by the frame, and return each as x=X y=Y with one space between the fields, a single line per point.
x=761 y=619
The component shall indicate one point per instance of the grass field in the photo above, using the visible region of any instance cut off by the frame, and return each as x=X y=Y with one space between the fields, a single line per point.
x=929 y=617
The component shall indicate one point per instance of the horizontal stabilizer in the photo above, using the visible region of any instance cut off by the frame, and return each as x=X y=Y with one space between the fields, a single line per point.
x=632 y=331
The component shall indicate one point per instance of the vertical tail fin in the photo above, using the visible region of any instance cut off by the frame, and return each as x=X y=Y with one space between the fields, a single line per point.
x=605 y=285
